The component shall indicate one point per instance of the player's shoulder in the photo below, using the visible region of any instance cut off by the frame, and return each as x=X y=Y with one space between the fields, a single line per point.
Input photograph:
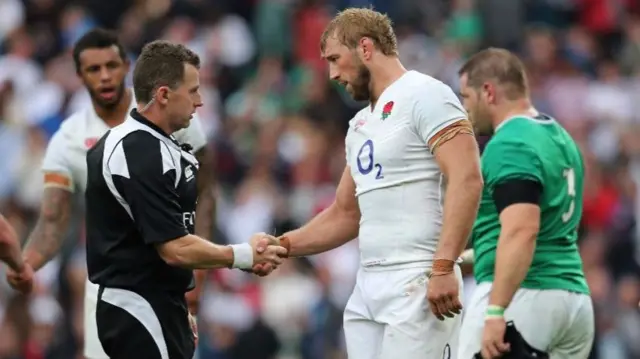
x=131 y=140
x=72 y=129
x=513 y=130
x=517 y=134
x=421 y=86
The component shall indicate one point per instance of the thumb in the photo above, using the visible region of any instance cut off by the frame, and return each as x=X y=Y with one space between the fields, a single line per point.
x=261 y=245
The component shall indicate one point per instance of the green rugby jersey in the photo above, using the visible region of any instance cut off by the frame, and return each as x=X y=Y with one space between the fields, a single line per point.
x=536 y=149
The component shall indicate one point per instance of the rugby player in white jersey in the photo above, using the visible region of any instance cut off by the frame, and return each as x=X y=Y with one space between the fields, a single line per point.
x=102 y=65
x=402 y=150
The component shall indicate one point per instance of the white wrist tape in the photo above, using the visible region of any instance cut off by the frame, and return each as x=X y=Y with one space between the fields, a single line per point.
x=242 y=256
x=467 y=257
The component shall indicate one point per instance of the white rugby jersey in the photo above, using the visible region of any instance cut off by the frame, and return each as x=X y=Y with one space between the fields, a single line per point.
x=399 y=185
x=67 y=150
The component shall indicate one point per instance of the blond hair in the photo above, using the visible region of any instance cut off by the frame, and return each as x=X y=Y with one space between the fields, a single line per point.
x=352 y=24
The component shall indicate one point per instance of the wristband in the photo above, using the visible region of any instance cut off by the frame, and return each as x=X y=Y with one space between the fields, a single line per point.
x=494 y=312
x=467 y=256
x=442 y=267
x=242 y=256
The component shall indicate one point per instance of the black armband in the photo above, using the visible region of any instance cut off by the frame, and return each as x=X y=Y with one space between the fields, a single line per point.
x=515 y=191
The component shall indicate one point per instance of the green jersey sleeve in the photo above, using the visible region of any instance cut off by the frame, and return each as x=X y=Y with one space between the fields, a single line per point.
x=505 y=160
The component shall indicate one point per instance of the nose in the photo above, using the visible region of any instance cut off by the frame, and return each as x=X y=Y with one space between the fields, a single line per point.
x=105 y=74
x=334 y=74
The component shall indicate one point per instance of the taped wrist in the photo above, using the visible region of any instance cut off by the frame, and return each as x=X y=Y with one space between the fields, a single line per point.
x=242 y=256
x=494 y=312
x=442 y=267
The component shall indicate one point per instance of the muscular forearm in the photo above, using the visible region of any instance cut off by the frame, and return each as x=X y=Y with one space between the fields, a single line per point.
x=44 y=243
x=513 y=259
x=193 y=252
x=47 y=237
x=9 y=247
x=460 y=209
x=328 y=230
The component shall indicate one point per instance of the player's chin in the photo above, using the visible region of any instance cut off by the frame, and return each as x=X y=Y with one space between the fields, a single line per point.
x=107 y=103
x=358 y=95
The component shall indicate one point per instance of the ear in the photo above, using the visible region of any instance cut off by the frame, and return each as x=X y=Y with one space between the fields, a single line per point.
x=488 y=91
x=162 y=95
x=366 y=48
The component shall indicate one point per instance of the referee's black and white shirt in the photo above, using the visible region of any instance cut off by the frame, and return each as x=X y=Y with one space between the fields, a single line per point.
x=141 y=191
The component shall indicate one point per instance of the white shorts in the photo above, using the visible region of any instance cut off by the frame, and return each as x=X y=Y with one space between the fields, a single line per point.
x=558 y=322
x=92 y=347
x=388 y=317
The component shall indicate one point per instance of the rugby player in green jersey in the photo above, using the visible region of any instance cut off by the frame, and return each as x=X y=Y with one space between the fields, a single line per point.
x=527 y=263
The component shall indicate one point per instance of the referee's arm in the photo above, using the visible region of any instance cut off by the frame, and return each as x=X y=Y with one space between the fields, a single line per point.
x=150 y=193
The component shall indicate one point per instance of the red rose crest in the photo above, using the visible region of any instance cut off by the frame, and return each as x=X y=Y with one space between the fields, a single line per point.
x=90 y=142
x=386 y=110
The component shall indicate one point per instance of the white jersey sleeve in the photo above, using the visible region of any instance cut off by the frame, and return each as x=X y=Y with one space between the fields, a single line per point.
x=57 y=166
x=436 y=109
x=193 y=135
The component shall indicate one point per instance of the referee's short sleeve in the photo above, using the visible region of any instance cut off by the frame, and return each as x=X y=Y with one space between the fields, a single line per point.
x=148 y=186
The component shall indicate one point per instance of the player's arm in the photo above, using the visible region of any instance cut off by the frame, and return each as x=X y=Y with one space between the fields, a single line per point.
x=331 y=228
x=147 y=180
x=516 y=194
x=443 y=125
x=48 y=235
x=458 y=159
x=10 y=247
x=205 y=216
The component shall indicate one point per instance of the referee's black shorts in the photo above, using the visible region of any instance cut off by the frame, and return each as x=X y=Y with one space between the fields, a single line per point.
x=136 y=325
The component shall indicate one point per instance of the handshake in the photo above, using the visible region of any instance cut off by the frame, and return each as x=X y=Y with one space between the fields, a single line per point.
x=262 y=255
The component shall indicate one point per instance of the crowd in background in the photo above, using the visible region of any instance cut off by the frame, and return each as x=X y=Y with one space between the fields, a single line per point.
x=277 y=127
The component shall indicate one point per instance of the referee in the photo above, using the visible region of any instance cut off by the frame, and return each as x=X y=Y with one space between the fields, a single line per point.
x=141 y=199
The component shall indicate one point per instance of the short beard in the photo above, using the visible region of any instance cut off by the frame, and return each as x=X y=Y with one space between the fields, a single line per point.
x=360 y=86
x=120 y=92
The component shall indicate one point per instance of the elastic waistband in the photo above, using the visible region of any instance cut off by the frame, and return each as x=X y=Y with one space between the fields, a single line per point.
x=382 y=267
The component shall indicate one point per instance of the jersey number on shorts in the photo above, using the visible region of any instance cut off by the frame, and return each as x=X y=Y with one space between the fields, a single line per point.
x=365 y=170
x=570 y=175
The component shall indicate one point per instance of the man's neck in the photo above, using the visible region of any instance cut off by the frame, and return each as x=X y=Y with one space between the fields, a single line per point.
x=521 y=107
x=384 y=73
x=116 y=115
x=154 y=115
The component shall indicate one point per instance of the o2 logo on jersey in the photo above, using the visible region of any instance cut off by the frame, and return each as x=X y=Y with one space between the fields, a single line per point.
x=367 y=151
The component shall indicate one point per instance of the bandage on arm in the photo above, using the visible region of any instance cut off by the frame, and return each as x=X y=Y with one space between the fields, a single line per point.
x=446 y=134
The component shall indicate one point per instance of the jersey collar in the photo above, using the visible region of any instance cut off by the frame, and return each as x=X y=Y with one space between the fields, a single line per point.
x=143 y=120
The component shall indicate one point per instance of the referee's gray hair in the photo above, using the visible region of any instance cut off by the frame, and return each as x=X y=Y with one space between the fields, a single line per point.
x=161 y=63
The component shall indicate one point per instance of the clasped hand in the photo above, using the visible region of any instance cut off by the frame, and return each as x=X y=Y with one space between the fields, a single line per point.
x=21 y=281
x=268 y=254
